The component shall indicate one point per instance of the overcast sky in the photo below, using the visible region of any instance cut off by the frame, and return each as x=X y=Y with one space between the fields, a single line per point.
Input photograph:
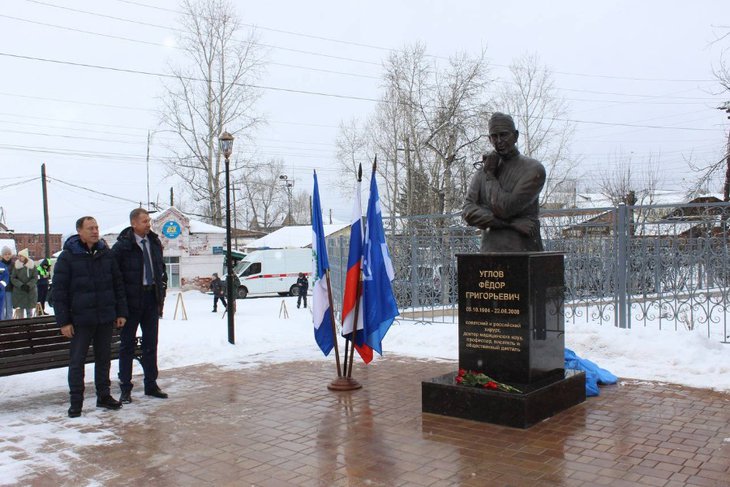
x=637 y=77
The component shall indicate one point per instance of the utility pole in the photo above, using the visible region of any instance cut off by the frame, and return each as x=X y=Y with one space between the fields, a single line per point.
x=46 y=237
x=172 y=196
x=148 y=170
x=288 y=185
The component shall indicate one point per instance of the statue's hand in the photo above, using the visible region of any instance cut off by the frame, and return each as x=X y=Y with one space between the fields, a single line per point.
x=498 y=223
x=490 y=161
x=523 y=225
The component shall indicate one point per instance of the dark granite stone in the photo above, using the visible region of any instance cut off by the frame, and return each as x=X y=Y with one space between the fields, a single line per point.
x=511 y=315
x=538 y=401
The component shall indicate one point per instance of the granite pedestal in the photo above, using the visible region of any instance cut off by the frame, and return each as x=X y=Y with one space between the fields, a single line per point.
x=510 y=328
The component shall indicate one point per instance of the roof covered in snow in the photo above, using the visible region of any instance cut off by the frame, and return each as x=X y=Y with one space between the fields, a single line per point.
x=196 y=226
x=297 y=236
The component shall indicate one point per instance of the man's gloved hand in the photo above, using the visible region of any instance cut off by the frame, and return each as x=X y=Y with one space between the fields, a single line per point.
x=25 y=288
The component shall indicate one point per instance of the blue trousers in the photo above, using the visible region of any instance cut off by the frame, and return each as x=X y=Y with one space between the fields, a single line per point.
x=148 y=320
x=101 y=336
x=6 y=308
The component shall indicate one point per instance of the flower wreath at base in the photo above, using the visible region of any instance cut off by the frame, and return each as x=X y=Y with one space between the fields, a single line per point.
x=473 y=378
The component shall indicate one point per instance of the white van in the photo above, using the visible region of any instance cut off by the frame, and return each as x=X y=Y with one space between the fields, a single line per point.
x=273 y=271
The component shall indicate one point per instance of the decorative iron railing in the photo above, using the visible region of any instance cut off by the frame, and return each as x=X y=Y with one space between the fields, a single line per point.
x=663 y=266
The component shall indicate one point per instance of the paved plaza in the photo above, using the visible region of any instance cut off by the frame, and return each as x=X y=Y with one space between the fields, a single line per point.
x=278 y=425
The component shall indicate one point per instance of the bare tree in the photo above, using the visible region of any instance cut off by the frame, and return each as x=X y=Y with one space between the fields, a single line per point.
x=707 y=172
x=352 y=150
x=301 y=211
x=622 y=184
x=424 y=131
x=212 y=93
x=540 y=113
x=262 y=192
x=455 y=125
x=616 y=182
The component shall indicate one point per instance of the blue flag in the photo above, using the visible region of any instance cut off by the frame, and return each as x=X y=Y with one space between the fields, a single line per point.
x=379 y=306
x=320 y=295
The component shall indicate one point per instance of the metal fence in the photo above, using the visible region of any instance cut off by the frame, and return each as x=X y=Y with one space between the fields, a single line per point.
x=662 y=266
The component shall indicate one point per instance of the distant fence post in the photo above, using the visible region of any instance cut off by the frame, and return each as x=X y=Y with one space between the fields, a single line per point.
x=622 y=267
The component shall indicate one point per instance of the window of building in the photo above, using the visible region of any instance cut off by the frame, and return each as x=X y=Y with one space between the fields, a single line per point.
x=172 y=266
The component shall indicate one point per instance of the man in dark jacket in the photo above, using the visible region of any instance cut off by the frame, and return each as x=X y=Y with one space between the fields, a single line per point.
x=216 y=285
x=89 y=299
x=138 y=252
x=303 y=285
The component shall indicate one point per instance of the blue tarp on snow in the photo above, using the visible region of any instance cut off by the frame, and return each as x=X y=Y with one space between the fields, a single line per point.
x=594 y=374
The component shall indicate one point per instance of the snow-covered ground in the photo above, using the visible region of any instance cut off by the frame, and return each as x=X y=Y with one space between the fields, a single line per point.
x=32 y=416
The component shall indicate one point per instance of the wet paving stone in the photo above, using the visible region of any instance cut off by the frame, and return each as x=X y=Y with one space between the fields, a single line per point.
x=278 y=425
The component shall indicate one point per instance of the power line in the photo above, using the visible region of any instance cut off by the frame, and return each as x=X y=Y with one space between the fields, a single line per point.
x=79 y=122
x=18 y=183
x=188 y=78
x=77 y=102
x=329 y=39
x=158 y=44
x=168 y=28
x=271 y=29
x=111 y=17
x=142 y=129
x=328 y=70
x=306 y=92
x=91 y=190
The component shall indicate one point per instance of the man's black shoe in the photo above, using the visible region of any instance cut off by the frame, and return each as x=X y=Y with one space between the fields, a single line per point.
x=126 y=397
x=74 y=411
x=156 y=392
x=108 y=402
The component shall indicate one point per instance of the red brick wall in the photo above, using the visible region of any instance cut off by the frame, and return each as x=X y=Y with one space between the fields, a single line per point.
x=35 y=243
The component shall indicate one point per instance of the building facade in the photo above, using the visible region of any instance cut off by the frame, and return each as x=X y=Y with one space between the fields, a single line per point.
x=193 y=250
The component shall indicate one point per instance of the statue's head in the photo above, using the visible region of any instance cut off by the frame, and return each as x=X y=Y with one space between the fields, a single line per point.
x=502 y=133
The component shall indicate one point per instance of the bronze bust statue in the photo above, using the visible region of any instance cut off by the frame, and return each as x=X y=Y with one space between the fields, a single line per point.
x=503 y=196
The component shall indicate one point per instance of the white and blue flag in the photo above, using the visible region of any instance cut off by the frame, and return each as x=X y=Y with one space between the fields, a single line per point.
x=320 y=297
x=379 y=306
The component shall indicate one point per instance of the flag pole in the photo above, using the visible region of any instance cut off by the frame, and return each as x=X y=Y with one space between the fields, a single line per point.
x=334 y=328
x=345 y=382
x=341 y=383
x=358 y=290
x=354 y=325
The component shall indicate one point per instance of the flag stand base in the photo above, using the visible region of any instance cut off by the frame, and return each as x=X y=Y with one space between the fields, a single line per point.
x=344 y=384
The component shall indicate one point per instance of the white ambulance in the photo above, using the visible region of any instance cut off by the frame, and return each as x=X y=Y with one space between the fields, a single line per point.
x=273 y=271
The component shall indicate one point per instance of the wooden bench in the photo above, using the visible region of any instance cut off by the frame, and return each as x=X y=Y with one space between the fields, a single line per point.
x=33 y=344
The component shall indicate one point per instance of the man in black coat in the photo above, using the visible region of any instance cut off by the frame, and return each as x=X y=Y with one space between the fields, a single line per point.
x=138 y=252
x=303 y=285
x=88 y=295
x=219 y=292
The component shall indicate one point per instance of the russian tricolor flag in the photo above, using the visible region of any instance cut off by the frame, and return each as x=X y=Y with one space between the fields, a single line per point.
x=322 y=316
x=352 y=299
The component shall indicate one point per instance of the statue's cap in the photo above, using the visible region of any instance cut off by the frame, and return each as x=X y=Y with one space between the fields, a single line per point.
x=502 y=121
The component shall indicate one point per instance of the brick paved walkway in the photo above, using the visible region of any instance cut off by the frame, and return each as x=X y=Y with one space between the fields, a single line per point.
x=278 y=425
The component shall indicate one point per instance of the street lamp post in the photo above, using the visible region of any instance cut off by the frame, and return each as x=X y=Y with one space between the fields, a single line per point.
x=226 y=147
x=288 y=184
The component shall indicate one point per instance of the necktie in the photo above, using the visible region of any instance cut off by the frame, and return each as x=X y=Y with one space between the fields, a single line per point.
x=147 y=263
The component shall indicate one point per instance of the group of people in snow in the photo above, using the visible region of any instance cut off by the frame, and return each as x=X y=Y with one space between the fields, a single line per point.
x=23 y=284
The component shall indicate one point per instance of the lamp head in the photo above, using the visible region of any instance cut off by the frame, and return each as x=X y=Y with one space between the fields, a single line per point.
x=226 y=144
